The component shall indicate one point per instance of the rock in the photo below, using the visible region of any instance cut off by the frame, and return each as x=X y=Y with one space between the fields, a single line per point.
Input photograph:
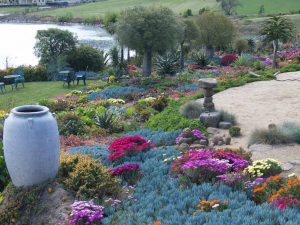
x=204 y=142
x=187 y=133
x=287 y=166
x=217 y=139
x=208 y=83
x=182 y=147
x=221 y=143
x=208 y=100
x=224 y=125
x=196 y=146
x=186 y=140
x=213 y=131
x=227 y=140
x=211 y=119
x=295 y=161
x=272 y=126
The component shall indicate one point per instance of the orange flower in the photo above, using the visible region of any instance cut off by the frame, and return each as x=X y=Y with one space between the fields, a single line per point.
x=157 y=223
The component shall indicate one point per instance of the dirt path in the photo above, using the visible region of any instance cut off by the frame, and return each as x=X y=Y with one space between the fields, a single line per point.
x=256 y=105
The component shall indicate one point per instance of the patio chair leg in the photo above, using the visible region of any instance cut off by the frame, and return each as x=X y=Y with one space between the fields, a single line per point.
x=77 y=82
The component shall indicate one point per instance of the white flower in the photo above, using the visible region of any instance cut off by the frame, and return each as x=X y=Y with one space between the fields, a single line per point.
x=215 y=205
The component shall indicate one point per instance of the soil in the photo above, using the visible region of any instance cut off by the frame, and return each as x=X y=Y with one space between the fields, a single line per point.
x=258 y=104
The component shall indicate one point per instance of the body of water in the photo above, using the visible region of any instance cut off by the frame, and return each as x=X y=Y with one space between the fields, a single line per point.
x=17 y=41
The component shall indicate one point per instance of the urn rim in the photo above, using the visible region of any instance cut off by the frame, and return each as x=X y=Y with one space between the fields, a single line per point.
x=30 y=110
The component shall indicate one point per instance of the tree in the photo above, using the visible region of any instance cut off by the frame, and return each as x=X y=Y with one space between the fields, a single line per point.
x=229 y=6
x=216 y=32
x=190 y=32
x=148 y=30
x=277 y=29
x=86 y=57
x=53 y=43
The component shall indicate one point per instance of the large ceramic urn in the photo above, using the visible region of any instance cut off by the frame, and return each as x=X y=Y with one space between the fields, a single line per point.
x=31 y=145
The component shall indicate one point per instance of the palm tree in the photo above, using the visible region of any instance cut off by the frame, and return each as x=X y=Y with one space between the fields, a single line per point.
x=277 y=29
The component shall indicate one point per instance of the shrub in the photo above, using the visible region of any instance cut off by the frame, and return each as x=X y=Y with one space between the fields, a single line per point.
x=159 y=137
x=65 y=18
x=127 y=146
x=240 y=46
x=191 y=110
x=167 y=64
x=143 y=113
x=228 y=117
x=243 y=60
x=292 y=130
x=258 y=65
x=86 y=177
x=86 y=57
x=268 y=136
x=70 y=123
x=114 y=55
x=228 y=59
x=85 y=212
x=187 y=13
x=235 y=131
x=115 y=92
x=160 y=103
x=171 y=120
x=205 y=165
x=290 y=68
x=4 y=177
x=264 y=168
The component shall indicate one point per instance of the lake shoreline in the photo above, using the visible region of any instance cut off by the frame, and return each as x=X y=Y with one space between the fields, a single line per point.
x=33 y=19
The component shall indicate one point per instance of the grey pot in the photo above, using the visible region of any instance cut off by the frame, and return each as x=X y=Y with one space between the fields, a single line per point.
x=31 y=145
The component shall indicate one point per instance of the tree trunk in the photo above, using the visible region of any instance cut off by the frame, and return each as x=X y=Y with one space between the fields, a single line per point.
x=210 y=51
x=181 y=56
x=147 y=62
x=275 y=47
x=122 y=54
x=128 y=55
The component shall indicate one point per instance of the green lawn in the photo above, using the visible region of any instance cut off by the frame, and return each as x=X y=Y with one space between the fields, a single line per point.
x=32 y=93
x=251 y=7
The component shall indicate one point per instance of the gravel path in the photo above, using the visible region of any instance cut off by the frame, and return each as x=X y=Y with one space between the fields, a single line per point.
x=258 y=104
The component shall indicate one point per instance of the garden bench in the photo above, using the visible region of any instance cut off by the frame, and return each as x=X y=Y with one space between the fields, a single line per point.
x=67 y=76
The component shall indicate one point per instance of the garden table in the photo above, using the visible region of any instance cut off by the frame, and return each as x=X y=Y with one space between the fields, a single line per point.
x=67 y=77
x=10 y=80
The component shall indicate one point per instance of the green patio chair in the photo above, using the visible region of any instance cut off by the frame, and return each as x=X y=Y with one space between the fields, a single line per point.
x=2 y=87
x=21 y=79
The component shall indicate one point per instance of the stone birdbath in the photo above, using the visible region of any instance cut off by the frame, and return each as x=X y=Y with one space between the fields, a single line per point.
x=210 y=116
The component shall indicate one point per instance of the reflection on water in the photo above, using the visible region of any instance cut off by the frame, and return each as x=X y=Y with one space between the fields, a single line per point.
x=17 y=40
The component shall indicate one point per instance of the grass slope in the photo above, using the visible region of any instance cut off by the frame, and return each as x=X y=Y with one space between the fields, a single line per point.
x=251 y=7
x=100 y=8
x=32 y=93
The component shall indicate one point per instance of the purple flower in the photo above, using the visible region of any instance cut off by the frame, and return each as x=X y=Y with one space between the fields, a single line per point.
x=86 y=211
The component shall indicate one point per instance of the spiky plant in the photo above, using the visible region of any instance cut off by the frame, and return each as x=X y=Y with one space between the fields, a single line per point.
x=200 y=58
x=106 y=121
x=167 y=64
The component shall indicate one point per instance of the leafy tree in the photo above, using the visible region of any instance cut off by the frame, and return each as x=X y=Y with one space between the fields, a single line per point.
x=216 y=32
x=277 y=29
x=228 y=6
x=86 y=57
x=261 y=10
x=148 y=30
x=190 y=33
x=53 y=43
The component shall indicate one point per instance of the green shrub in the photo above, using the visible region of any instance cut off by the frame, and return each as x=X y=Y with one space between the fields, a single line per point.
x=259 y=65
x=171 y=120
x=272 y=136
x=65 y=18
x=108 y=121
x=228 y=117
x=235 y=131
x=4 y=177
x=70 y=123
x=243 y=60
x=191 y=110
x=290 y=68
x=292 y=130
x=87 y=177
x=187 y=13
x=47 y=102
